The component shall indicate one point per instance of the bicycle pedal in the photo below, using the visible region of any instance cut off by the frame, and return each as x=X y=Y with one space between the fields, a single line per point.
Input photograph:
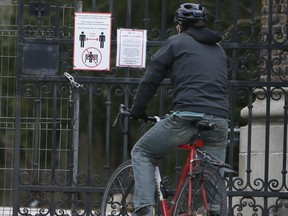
x=164 y=191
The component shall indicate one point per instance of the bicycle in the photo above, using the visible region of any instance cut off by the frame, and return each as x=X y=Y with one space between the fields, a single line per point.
x=200 y=190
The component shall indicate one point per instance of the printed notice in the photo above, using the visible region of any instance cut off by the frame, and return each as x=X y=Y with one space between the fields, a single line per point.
x=131 y=48
x=92 y=41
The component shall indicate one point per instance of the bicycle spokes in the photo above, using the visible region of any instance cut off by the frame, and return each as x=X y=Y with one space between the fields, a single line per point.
x=202 y=194
x=118 y=198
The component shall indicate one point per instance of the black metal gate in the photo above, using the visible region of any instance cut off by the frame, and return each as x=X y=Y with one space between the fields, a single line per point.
x=65 y=147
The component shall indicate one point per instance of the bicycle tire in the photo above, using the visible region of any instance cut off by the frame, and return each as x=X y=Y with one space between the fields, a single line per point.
x=205 y=176
x=118 y=196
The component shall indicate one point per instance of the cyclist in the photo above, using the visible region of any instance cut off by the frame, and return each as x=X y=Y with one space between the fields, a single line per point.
x=197 y=66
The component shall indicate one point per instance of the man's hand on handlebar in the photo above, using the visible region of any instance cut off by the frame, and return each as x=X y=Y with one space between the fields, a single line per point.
x=125 y=112
x=138 y=113
x=137 y=116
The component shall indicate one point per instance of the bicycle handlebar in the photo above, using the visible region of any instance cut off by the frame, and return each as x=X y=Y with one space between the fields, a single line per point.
x=125 y=112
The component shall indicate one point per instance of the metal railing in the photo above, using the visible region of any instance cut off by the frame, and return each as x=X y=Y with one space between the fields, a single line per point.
x=58 y=141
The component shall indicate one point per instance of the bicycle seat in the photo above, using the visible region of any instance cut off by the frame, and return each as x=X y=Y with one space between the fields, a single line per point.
x=205 y=125
x=201 y=126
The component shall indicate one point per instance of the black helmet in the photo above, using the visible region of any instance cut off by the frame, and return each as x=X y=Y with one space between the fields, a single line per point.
x=190 y=12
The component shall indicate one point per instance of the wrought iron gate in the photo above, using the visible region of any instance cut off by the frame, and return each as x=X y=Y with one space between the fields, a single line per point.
x=65 y=147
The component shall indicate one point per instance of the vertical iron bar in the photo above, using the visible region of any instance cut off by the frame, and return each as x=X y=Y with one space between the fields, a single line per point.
x=126 y=123
x=108 y=134
x=93 y=5
x=126 y=86
x=284 y=160
x=268 y=101
x=267 y=149
x=54 y=142
x=90 y=145
x=16 y=152
x=71 y=165
x=233 y=92
x=234 y=68
x=146 y=18
x=57 y=18
x=249 y=134
x=90 y=129
x=253 y=19
x=128 y=14
x=217 y=17
x=74 y=133
x=163 y=19
x=54 y=147
x=36 y=149
x=111 y=6
x=75 y=129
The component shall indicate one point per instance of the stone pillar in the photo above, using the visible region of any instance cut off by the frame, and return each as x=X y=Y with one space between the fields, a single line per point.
x=258 y=149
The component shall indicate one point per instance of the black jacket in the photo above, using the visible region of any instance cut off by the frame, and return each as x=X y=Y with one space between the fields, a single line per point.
x=197 y=65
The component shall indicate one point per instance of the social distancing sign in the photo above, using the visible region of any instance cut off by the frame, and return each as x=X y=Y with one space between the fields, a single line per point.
x=92 y=41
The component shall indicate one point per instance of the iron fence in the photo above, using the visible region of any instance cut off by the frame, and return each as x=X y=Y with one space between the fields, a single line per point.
x=58 y=142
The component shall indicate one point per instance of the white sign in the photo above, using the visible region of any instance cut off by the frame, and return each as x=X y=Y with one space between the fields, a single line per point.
x=92 y=41
x=131 y=48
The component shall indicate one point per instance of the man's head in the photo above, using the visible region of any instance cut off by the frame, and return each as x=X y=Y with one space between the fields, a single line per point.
x=190 y=14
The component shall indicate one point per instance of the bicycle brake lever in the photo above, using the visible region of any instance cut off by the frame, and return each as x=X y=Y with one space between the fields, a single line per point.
x=120 y=119
x=116 y=120
x=123 y=112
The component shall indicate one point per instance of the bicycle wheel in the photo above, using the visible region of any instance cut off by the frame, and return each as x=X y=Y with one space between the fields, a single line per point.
x=206 y=182
x=118 y=195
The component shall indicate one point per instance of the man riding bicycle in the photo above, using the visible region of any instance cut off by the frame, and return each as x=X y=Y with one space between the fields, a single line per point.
x=197 y=66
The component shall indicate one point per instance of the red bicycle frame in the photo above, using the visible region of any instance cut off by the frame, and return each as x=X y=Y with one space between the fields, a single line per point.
x=186 y=171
